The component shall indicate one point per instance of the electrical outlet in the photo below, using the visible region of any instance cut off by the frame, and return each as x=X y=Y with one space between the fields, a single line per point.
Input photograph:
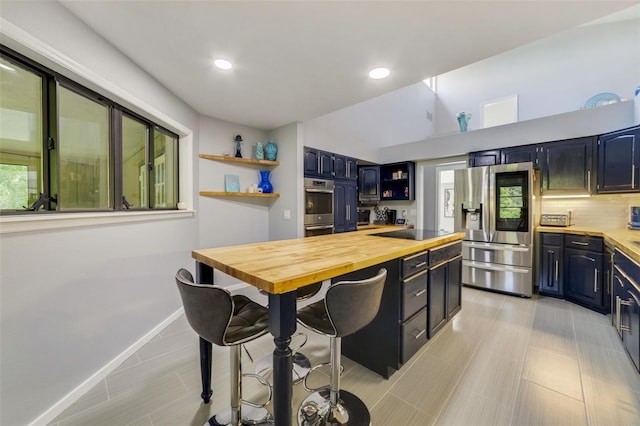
x=286 y=214
x=404 y=213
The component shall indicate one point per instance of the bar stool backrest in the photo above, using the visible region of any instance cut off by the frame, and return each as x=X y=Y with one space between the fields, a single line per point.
x=351 y=305
x=208 y=309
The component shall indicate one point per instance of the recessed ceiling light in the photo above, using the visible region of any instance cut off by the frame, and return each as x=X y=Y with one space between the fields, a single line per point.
x=223 y=64
x=378 y=73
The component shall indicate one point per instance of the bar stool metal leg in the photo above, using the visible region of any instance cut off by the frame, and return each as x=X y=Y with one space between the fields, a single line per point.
x=333 y=406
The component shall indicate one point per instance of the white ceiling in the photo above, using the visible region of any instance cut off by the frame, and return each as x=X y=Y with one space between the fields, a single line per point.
x=297 y=60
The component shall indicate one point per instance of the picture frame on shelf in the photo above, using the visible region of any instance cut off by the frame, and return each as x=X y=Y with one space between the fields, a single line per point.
x=231 y=183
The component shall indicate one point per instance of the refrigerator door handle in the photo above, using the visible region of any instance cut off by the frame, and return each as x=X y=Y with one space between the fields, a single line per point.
x=490 y=220
x=500 y=247
x=493 y=267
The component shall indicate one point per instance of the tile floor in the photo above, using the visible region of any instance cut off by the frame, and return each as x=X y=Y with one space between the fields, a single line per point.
x=503 y=360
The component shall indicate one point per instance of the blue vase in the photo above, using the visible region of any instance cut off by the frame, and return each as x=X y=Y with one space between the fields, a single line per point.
x=271 y=150
x=463 y=120
x=264 y=183
x=259 y=151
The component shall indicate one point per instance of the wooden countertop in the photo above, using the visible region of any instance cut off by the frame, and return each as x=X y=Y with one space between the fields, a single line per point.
x=285 y=265
x=622 y=239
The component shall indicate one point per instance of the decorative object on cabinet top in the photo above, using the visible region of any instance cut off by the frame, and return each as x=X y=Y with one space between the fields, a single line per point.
x=247 y=161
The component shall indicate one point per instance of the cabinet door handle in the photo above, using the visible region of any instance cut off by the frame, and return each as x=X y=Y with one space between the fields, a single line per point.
x=413 y=277
x=420 y=265
x=633 y=176
x=417 y=336
x=420 y=293
x=619 y=304
x=557 y=267
x=579 y=243
x=589 y=181
x=595 y=280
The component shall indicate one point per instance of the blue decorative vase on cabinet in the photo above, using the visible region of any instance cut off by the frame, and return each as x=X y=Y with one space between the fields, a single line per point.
x=265 y=184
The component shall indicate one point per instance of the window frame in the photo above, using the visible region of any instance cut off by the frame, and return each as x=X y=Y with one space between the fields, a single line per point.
x=50 y=175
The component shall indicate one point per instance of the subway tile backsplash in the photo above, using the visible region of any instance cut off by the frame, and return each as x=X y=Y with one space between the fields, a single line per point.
x=602 y=211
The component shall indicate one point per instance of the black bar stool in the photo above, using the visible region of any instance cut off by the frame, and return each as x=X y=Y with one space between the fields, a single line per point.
x=226 y=320
x=347 y=307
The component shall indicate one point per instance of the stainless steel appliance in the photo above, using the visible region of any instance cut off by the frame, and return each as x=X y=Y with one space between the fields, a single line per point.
x=318 y=210
x=547 y=219
x=495 y=207
x=364 y=216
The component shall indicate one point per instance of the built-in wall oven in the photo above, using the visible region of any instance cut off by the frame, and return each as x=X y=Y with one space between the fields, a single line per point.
x=318 y=210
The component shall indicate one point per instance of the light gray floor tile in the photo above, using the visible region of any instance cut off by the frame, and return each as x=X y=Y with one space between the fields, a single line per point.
x=94 y=396
x=394 y=411
x=479 y=369
x=554 y=371
x=468 y=408
x=537 y=405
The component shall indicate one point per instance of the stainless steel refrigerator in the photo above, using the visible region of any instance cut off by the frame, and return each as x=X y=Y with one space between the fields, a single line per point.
x=496 y=207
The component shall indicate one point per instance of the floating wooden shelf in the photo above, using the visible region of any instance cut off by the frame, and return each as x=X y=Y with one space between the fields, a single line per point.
x=238 y=194
x=248 y=161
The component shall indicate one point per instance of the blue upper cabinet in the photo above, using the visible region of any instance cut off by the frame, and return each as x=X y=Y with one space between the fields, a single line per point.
x=567 y=167
x=520 y=154
x=397 y=181
x=344 y=167
x=618 y=161
x=318 y=163
x=484 y=158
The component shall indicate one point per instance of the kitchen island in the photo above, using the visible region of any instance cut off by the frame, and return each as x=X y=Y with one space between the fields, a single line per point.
x=281 y=267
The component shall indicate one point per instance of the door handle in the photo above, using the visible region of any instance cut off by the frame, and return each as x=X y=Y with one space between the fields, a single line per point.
x=417 y=336
x=420 y=293
x=595 y=280
x=633 y=176
x=579 y=243
x=557 y=267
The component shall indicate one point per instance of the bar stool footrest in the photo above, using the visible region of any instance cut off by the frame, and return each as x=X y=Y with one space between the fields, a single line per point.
x=316 y=410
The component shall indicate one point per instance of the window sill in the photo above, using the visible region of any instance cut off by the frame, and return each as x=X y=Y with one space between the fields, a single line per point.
x=36 y=222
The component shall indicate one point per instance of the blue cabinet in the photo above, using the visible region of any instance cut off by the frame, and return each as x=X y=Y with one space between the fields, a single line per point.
x=626 y=309
x=369 y=183
x=551 y=264
x=318 y=164
x=397 y=181
x=344 y=167
x=520 y=154
x=583 y=272
x=345 y=204
x=568 y=167
x=618 y=161
x=484 y=158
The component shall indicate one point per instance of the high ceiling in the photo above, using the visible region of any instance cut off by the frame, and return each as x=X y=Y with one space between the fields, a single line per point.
x=297 y=60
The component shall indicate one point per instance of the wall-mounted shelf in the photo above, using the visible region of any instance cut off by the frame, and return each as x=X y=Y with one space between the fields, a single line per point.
x=247 y=161
x=238 y=194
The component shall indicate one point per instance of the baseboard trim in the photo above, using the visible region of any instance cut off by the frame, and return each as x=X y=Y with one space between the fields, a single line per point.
x=99 y=375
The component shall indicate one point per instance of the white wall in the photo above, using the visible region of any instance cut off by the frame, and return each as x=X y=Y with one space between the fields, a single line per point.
x=73 y=300
x=360 y=130
x=287 y=181
x=551 y=76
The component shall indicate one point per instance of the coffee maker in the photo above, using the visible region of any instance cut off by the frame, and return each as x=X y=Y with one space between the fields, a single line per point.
x=391 y=217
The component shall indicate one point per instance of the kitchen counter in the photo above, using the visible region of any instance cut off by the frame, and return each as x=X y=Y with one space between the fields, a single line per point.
x=622 y=239
x=281 y=266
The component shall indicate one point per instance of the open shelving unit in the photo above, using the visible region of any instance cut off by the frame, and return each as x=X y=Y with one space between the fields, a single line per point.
x=243 y=162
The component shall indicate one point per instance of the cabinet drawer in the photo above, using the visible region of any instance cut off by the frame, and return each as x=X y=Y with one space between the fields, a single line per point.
x=444 y=252
x=414 y=263
x=552 y=239
x=584 y=243
x=414 y=335
x=414 y=291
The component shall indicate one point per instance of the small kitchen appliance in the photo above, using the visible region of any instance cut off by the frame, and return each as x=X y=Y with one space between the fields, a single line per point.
x=363 y=216
x=634 y=218
x=547 y=219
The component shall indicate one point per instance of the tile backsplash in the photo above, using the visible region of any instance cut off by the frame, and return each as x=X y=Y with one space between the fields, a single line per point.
x=609 y=211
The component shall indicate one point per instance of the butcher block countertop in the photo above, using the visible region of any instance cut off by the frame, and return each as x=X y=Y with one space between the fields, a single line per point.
x=622 y=239
x=285 y=265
